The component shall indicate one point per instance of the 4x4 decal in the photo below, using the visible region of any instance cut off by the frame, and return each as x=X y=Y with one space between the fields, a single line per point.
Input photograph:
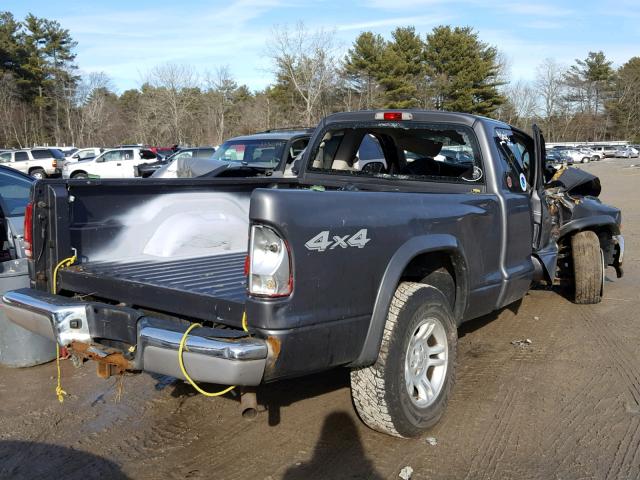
x=321 y=241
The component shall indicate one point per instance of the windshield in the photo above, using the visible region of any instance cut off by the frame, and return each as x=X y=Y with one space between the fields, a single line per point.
x=255 y=153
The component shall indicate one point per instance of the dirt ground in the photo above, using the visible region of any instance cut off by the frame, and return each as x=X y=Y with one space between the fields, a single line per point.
x=565 y=407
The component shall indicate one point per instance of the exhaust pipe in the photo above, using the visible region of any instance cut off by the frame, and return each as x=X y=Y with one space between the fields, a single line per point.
x=248 y=403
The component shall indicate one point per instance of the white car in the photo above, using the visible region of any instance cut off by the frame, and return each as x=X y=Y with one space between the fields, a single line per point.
x=116 y=163
x=37 y=162
x=82 y=154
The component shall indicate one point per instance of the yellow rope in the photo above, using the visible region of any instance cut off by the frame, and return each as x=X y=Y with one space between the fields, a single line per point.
x=244 y=322
x=184 y=370
x=60 y=393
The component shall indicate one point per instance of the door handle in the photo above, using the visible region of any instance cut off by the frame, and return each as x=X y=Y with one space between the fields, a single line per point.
x=118 y=164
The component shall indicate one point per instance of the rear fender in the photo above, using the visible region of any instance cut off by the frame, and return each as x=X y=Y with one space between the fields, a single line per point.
x=392 y=276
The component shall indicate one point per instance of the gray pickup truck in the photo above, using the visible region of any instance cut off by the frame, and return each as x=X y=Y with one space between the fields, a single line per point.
x=370 y=266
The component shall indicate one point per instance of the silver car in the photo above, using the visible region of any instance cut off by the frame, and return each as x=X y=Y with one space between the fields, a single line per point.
x=626 y=151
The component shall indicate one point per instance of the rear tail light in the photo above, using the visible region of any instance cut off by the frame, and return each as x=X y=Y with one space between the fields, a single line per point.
x=54 y=163
x=394 y=116
x=28 y=230
x=269 y=264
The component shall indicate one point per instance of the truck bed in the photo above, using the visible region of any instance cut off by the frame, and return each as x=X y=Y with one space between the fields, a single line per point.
x=207 y=288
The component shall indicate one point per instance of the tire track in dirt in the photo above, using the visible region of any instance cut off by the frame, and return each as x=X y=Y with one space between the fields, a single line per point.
x=584 y=422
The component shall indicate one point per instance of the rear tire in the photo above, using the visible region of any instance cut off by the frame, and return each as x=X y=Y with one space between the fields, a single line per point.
x=38 y=173
x=406 y=390
x=588 y=267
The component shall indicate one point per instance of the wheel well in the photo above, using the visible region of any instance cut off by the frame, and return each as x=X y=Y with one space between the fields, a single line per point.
x=33 y=169
x=435 y=268
x=76 y=172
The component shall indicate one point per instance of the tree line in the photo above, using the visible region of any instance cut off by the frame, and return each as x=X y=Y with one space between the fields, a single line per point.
x=46 y=99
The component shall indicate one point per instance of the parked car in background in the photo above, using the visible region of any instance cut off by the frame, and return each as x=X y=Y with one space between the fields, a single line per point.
x=37 y=162
x=115 y=163
x=595 y=154
x=626 y=151
x=577 y=155
x=147 y=169
x=79 y=155
x=248 y=155
x=556 y=158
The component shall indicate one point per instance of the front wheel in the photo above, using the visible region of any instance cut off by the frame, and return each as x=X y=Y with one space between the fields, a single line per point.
x=79 y=175
x=585 y=160
x=588 y=267
x=406 y=390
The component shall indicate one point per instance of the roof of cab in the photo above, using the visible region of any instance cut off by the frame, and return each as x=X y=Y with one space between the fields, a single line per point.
x=419 y=115
x=274 y=135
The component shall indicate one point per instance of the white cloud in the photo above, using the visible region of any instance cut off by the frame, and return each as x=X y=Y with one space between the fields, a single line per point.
x=420 y=20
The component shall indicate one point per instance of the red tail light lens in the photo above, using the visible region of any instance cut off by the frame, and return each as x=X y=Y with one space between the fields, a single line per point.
x=28 y=230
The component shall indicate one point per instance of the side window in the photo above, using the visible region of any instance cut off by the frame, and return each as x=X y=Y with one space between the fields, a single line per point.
x=205 y=152
x=517 y=157
x=21 y=156
x=40 y=154
x=126 y=155
x=187 y=154
x=86 y=154
x=5 y=157
x=112 y=156
x=296 y=148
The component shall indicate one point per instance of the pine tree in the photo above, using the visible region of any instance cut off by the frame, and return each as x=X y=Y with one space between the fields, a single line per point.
x=362 y=67
x=462 y=71
x=402 y=69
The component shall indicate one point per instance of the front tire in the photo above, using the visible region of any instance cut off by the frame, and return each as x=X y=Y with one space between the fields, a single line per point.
x=80 y=175
x=406 y=390
x=588 y=267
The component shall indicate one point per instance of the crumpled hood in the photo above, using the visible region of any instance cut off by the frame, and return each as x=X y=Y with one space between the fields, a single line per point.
x=576 y=182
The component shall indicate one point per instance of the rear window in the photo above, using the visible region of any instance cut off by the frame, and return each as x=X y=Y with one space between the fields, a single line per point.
x=147 y=154
x=57 y=154
x=421 y=152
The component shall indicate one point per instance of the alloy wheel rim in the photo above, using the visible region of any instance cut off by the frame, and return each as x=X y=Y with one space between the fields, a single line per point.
x=425 y=365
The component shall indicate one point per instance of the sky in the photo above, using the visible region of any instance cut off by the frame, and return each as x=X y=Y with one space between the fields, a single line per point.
x=127 y=38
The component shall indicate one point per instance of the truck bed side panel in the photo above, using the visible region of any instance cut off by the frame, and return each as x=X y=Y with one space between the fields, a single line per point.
x=342 y=281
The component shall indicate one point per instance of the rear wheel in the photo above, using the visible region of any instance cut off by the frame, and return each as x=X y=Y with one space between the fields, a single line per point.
x=38 y=173
x=588 y=267
x=407 y=389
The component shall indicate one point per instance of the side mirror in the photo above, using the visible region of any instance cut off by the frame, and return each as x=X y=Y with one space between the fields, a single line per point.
x=373 y=167
x=100 y=160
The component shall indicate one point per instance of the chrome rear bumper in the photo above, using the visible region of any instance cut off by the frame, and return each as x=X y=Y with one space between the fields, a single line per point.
x=227 y=357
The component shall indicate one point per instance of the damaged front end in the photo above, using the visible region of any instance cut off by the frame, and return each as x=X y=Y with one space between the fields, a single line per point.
x=572 y=198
